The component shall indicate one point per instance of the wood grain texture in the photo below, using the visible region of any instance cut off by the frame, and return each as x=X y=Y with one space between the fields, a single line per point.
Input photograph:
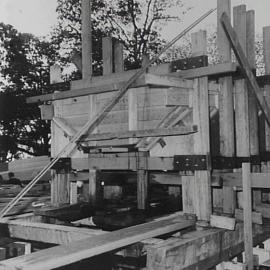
x=78 y=250
x=247 y=204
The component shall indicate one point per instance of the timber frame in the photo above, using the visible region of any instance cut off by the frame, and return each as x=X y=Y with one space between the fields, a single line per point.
x=203 y=133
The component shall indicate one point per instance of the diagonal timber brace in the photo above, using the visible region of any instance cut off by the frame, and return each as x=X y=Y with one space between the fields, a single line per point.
x=244 y=65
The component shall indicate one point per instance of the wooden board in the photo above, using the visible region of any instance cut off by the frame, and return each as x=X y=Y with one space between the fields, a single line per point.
x=199 y=250
x=47 y=233
x=245 y=67
x=89 y=247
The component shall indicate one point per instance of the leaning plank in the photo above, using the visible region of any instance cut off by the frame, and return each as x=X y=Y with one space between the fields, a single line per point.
x=245 y=67
x=66 y=254
x=47 y=233
x=143 y=133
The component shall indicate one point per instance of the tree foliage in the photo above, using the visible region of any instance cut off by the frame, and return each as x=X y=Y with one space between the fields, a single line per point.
x=24 y=71
x=137 y=23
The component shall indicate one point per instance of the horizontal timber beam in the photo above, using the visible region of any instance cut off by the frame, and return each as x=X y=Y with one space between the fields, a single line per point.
x=91 y=246
x=200 y=250
x=160 y=132
x=115 y=81
x=258 y=180
x=47 y=233
x=109 y=83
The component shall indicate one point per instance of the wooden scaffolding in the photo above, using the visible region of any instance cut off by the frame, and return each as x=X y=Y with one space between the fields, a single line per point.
x=201 y=130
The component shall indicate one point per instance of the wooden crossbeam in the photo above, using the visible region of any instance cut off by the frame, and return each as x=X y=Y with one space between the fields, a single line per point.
x=143 y=133
x=114 y=82
x=67 y=254
x=258 y=180
x=245 y=66
x=47 y=233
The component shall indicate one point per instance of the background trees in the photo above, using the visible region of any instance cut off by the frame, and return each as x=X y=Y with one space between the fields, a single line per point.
x=137 y=23
x=24 y=71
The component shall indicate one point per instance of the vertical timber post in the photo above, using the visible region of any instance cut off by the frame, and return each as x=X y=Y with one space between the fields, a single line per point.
x=95 y=189
x=226 y=106
x=241 y=93
x=197 y=189
x=118 y=57
x=266 y=52
x=107 y=55
x=252 y=103
x=248 y=236
x=86 y=39
x=60 y=187
x=142 y=181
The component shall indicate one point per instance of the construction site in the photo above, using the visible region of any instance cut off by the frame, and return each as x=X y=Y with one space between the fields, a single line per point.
x=162 y=167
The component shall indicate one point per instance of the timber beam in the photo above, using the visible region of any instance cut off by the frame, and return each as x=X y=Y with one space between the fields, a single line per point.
x=201 y=250
x=184 y=130
x=91 y=246
x=115 y=81
x=47 y=233
x=245 y=67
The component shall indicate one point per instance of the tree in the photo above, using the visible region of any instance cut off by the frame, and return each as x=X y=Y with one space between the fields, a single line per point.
x=24 y=70
x=134 y=22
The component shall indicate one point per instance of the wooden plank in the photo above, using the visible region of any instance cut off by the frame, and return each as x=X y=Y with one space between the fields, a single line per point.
x=18 y=249
x=266 y=53
x=199 y=250
x=245 y=66
x=218 y=69
x=256 y=216
x=247 y=216
x=252 y=103
x=241 y=92
x=258 y=180
x=226 y=106
x=64 y=126
x=73 y=193
x=222 y=222
x=142 y=181
x=184 y=130
x=55 y=74
x=60 y=193
x=114 y=82
x=118 y=56
x=95 y=195
x=47 y=233
x=107 y=55
x=132 y=112
x=86 y=39
x=201 y=197
x=3 y=253
x=64 y=255
x=168 y=121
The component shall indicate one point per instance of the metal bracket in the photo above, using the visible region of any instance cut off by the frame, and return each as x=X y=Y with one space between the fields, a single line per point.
x=190 y=63
x=62 y=86
x=62 y=164
x=190 y=162
x=202 y=162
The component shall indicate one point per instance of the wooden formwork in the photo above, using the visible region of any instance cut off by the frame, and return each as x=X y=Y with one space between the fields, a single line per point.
x=212 y=113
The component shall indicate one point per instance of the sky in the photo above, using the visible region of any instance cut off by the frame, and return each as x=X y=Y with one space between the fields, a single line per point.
x=38 y=16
